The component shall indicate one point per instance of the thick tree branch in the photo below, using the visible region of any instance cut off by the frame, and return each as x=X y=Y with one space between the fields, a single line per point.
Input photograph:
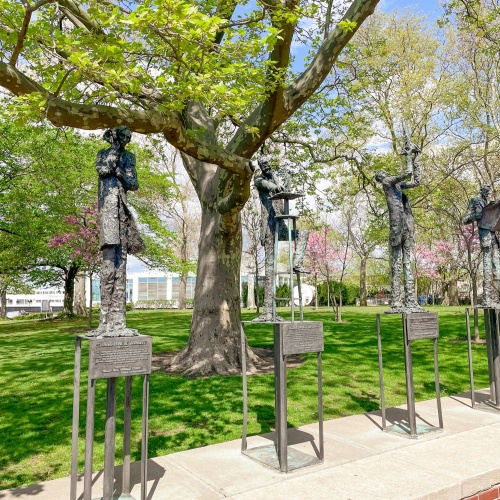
x=79 y=17
x=24 y=29
x=91 y=117
x=269 y=116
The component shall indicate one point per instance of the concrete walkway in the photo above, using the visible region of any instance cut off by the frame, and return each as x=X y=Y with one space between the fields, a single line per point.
x=361 y=462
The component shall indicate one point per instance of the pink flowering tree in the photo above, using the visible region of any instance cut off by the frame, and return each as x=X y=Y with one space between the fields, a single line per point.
x=320 y=255
x=81 y=242
x=328 y=259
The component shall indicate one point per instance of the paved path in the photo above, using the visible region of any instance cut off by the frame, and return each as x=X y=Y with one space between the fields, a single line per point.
x=361 y=462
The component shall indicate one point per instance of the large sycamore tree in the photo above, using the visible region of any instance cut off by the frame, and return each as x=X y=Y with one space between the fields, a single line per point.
x=214 y=77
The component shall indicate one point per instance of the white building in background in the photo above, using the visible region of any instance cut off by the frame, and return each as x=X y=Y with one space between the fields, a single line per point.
x=42 y=300
x=148 y=286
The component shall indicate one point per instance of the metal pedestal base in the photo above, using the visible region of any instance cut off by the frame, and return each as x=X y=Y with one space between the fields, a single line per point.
x=121 y=497
x=416 y=326
x=403 y=429
x=268 y=456
x=118 y=364
x=492 y=331
x=488 y=406
x=289 y=338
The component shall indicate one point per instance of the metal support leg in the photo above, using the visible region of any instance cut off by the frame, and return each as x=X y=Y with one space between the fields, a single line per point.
x=469 y=351
x=281 y=408
x=127 y=425
x=76 y=418
x=275 y=270
x=381 y=373
x=436 y=381
x=495 y=334
x=320 y=408
x=144 y=447
x=489 y=350
x=89 y=440
x=290 y=259
x=109 y=440
x=245 y=390
x=410 y=392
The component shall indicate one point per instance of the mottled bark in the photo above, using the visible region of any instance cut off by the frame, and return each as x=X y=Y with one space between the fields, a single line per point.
x=362 y=282
x=251 y=292
x=80 y=303
x=69 y=287
x=182 y=292
x=3 y=302
x=214 y=344
x=453 y=292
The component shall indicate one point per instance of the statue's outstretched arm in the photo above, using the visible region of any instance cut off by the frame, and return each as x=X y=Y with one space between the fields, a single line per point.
x=417 y=176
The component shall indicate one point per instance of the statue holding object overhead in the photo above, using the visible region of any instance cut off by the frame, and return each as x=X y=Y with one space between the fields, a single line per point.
x=487 y=216
x=402 y=230
x=118 y=232
x=269 y=185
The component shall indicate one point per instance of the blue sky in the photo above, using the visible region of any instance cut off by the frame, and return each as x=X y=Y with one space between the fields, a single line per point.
x=431 y=7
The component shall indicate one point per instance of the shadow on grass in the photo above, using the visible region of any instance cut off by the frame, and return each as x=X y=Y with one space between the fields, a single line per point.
x=37 y=386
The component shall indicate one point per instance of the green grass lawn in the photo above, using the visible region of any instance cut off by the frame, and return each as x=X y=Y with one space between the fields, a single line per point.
x=36 y=386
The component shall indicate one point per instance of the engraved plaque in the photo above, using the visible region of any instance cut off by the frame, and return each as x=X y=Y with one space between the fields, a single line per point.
x=422 y=326
x=120 y=356
x=301 y=337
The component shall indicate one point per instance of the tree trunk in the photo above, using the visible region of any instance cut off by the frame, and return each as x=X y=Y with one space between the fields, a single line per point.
x=80 y=303
x=251 y=292
x=316 y=294
x=362 y=282
x=182 y=291
x=453 y=292
x=338 y=316
x=257 y=288
x=477 y=338
x=3 y=302
x=328 y=289
x=91 y=305
x=69 y=288
x=444 y=294
x=214 y=344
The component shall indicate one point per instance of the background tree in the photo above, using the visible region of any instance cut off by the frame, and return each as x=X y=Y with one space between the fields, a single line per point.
x=82 y=240
x=252 y=248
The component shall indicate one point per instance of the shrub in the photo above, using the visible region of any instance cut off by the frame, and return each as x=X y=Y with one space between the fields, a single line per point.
x=156 y=304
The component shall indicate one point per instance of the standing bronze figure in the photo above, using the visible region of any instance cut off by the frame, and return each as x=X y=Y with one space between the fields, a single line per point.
x=118 y=232
x=402 y=230
x=268 y=185
x=489 y=246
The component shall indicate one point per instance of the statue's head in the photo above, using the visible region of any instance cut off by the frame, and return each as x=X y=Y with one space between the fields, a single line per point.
x=121 y=134
x=264 y=166
x=380 y=175
x=485 y=190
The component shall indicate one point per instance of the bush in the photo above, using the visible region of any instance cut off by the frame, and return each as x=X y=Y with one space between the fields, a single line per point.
x=29 y=316
x=156 y=304
x=350 y=292
x=257 y=290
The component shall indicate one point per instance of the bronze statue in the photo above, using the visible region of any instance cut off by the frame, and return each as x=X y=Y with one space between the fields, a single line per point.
x=489 y=246
x=402 y=229
x=268 y=185
x=118 y=232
